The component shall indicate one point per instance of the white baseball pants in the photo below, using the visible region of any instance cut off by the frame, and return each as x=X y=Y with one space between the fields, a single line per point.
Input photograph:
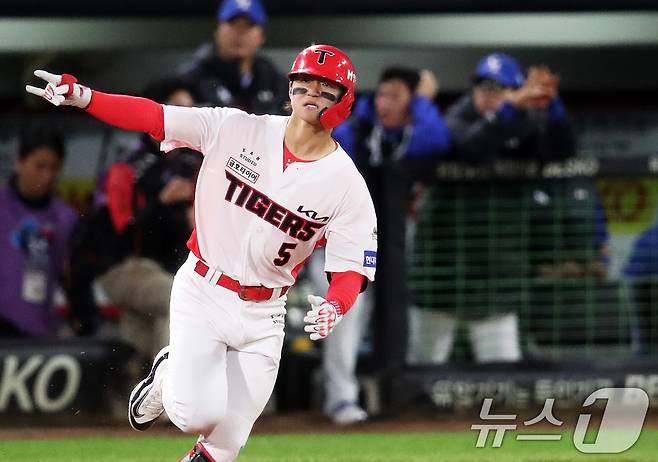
x=223 y=360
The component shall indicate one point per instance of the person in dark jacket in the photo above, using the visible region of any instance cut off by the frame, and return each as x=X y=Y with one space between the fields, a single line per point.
x=134 y=240
x=478 y=241
x=509 y=116
x=392 y=137
x=230 y=72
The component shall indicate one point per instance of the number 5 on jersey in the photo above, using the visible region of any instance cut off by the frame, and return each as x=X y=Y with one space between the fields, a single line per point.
x=284 y=254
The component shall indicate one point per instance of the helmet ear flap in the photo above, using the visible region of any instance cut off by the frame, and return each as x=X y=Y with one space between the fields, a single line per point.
x=338 y=113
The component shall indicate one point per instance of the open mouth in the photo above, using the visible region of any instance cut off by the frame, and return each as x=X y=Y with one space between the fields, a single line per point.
x=311 y=106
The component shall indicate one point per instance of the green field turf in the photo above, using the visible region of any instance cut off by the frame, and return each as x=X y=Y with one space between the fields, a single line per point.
x=371 y=447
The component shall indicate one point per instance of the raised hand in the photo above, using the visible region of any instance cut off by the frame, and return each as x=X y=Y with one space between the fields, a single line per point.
x=61 y=90
x=538 y=90
x=428 y=86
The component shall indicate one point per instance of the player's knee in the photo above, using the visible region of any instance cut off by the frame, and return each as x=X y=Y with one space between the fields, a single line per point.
x=196 y=417
x=200 y=421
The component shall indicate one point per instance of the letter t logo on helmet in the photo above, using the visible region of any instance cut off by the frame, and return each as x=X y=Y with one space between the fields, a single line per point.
x=322 y=54
x=332 y=64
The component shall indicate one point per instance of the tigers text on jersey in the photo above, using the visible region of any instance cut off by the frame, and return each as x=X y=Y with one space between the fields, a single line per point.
x=256 y=222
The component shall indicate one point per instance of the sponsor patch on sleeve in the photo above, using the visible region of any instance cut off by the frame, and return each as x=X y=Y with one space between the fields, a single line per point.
x=369 y=259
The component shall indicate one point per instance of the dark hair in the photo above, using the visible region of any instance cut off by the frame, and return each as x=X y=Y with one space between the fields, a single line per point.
x=410 y=77
x=161 y=90
x=37 y=136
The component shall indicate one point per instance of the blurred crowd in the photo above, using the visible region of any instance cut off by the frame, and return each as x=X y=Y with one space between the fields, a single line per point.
x=125 y=250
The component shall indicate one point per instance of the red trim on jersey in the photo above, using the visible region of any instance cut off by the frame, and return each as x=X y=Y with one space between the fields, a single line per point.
x=295 y=271
x=321 y=243
x=344 y=288
x=129 y=113
x=193 y=244
x=289 y=157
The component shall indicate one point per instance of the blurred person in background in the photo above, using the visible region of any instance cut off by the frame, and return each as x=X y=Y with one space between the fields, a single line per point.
x=230 y=72
x=641 y=270
x=393 y=137
x=509 y=116
x=340 y=355
x=513 y=117
x=36 y=229
x=135 y=239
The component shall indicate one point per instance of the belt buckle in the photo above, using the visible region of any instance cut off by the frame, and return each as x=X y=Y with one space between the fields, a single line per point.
x=243 y=293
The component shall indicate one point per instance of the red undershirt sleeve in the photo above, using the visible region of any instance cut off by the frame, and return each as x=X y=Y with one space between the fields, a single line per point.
x=344 y=288
x=129 y=113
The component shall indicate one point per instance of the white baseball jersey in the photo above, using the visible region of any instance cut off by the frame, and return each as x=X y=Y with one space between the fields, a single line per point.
x=256 y=222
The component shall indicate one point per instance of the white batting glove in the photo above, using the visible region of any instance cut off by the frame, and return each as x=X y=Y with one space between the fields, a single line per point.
x=61 y=90
x=321 y=318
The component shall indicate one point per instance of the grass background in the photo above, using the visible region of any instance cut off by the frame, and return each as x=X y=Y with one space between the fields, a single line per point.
x=353 y=447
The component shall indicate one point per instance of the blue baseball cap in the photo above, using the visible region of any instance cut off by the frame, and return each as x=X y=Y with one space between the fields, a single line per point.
x=252 y=9
x=502 y=68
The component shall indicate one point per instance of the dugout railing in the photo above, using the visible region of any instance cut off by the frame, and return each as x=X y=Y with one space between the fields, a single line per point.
x=557 y=245
x=543 y=241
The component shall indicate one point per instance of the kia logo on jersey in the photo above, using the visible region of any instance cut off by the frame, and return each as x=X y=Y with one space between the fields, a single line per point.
x=312 y=214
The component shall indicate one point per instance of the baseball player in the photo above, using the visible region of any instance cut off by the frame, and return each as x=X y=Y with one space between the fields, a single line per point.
x=270 y=190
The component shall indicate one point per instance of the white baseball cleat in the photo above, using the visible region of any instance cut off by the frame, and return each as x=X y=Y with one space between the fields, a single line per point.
x=145 y=404
x=348 y=414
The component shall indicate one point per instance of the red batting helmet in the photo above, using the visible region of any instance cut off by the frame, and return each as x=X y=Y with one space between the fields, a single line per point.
x=332 y=64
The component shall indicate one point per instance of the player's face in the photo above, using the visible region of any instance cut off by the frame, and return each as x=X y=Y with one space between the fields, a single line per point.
x=37 y=173
x=488 y=96
x=392 y=103
x=239 y=38
x=309 y=95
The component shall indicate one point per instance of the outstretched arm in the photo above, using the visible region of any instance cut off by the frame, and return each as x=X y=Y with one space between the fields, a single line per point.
x=121 y=111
